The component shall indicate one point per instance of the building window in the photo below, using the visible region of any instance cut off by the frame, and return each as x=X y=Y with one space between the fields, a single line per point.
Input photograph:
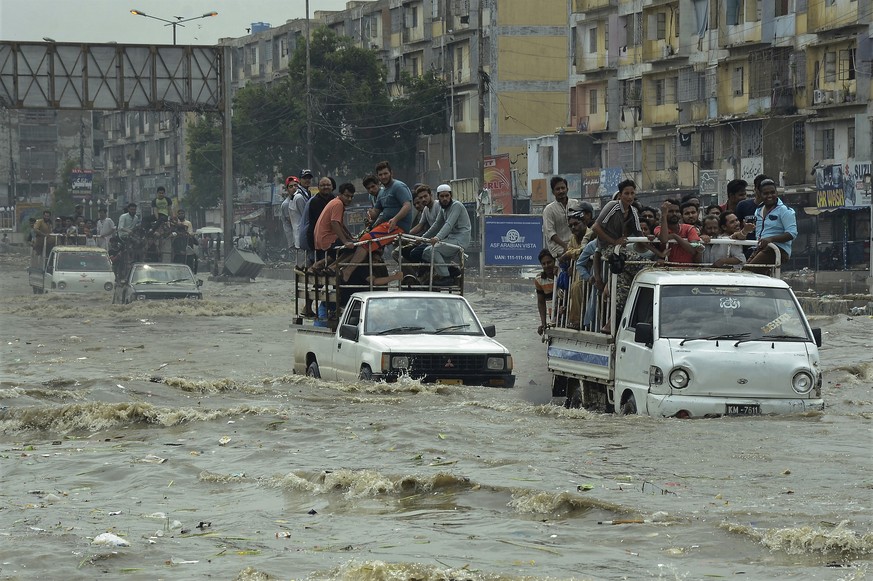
x=459 y=109
x=734 y=10
x=592 y=102
x=737 y=82
x=783 y=7
x=662 y=25
x=847 y=65
x=707 y=145
x=659 y=90
x=572 y=101
x=830 y=67
x=636 y=28
x=824 y=144
x=592 y=40
x=850 y=140
x=283 y=47
x=660 y=156
x=268 y=51
x=799 y=136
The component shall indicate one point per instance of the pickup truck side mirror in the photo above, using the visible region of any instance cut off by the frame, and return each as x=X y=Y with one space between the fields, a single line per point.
x=490 y=330
x=643 y=334
x=816 y=334
x=349 y=332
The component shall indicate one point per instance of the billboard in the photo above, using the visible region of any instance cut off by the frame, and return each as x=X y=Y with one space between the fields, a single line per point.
x=513 y=240
x=829 y=187
x=80 y=183
x=498 y=179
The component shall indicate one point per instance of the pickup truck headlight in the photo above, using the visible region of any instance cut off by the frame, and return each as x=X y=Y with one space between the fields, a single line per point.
x=400 y=362
x=679 y=378
x=496 y=363
x=140 y=297
x=802 y=382
x=107 y=286
x=62 y=285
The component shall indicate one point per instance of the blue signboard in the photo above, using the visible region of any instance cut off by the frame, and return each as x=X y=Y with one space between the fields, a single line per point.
x=513 y=240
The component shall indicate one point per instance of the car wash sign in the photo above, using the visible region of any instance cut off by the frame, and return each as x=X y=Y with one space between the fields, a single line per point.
x=513 y=240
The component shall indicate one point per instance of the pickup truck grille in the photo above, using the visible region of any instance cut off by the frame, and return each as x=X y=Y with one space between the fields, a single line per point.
x=431 y=363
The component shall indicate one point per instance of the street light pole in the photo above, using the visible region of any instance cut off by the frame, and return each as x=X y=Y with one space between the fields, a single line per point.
x=29 y=149
x=174 y=23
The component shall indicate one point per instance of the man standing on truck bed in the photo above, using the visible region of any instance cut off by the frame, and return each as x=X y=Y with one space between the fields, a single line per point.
x=688 y=248
x=555 y=217
x=617 y=221
x=42 y=228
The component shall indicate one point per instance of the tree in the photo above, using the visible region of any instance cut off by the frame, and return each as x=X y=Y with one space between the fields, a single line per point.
x=355 y=122
x=204 y=163
x=62 y=198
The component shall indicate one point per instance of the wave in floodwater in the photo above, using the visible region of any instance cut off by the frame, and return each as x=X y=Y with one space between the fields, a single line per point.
x=861 y=372
x=356 y=484
x=84 y=309
x=94 y=417
x=838 y=541
x=382 y=571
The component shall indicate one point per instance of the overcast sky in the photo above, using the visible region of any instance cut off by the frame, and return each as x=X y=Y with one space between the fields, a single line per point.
x=98 y=21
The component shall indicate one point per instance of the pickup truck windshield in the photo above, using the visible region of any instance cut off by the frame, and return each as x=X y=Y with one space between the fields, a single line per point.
x=730 y=313
x=84 y=261
x=167 y=274
x=431 y=315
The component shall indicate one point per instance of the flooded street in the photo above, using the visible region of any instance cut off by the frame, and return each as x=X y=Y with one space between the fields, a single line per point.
x=179 y=428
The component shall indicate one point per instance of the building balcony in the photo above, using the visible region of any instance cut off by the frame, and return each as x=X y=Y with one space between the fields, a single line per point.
x=592 y=5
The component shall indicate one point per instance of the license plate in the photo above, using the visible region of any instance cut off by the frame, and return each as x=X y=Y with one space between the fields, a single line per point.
x=450 y=381
x=742 y=409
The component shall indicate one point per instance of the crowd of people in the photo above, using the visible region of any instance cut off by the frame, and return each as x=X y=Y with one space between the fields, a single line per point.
x=163 y=235
x=317 y=236
x=581 y=250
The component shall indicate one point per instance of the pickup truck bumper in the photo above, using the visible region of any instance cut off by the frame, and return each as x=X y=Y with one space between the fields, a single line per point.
x=507 y=381
x=698 y=407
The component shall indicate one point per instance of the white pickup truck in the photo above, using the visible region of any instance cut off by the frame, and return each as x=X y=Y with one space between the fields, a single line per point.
x=692 y=343
x=434 y=337
x=71 y=269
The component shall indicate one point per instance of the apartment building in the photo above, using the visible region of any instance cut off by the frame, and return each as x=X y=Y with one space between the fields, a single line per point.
x=525 y=63
x=679 y=91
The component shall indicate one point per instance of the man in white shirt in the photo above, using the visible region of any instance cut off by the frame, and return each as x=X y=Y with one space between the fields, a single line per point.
x=105 y=228
x=128 y=221
x=555 y=217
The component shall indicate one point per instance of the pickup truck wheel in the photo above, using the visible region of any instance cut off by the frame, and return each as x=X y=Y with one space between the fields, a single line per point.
x=312 y=370
x=629 y=406
x=366 y=373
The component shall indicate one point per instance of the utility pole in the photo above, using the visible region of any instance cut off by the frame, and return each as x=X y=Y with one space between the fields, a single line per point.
x=482 y=89
x=308 y=97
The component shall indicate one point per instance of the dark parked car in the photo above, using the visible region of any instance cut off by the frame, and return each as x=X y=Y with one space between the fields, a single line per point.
x=159 y=281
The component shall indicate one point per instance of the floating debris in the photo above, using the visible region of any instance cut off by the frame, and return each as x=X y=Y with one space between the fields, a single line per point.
x=109 y=540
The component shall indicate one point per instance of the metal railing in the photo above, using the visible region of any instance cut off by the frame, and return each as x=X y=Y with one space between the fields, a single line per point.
x=583 y=304
x=331 y=288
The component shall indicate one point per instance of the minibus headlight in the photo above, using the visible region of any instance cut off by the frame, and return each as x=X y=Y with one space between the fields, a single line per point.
x=679 y=378
x=802 y=382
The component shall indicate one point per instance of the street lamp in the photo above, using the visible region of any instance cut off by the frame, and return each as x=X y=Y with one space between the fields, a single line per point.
x=174 y=23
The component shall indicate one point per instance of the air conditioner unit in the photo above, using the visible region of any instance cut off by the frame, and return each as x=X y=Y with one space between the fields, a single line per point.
x=819 y=97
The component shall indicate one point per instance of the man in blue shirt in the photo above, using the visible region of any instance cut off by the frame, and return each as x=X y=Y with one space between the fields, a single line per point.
x=774 y=223
x=391 y=216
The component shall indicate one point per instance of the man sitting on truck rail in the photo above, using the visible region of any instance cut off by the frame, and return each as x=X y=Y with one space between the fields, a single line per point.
x=391 y=216
x=725 y=226
x=452 y=227
x=42 y=229
x=687 y=249
x=774 y=223
x=331 y=234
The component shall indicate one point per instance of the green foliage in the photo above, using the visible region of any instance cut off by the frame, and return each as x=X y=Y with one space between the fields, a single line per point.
x=62 y=199
x=204 y=163
x=355 y=121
